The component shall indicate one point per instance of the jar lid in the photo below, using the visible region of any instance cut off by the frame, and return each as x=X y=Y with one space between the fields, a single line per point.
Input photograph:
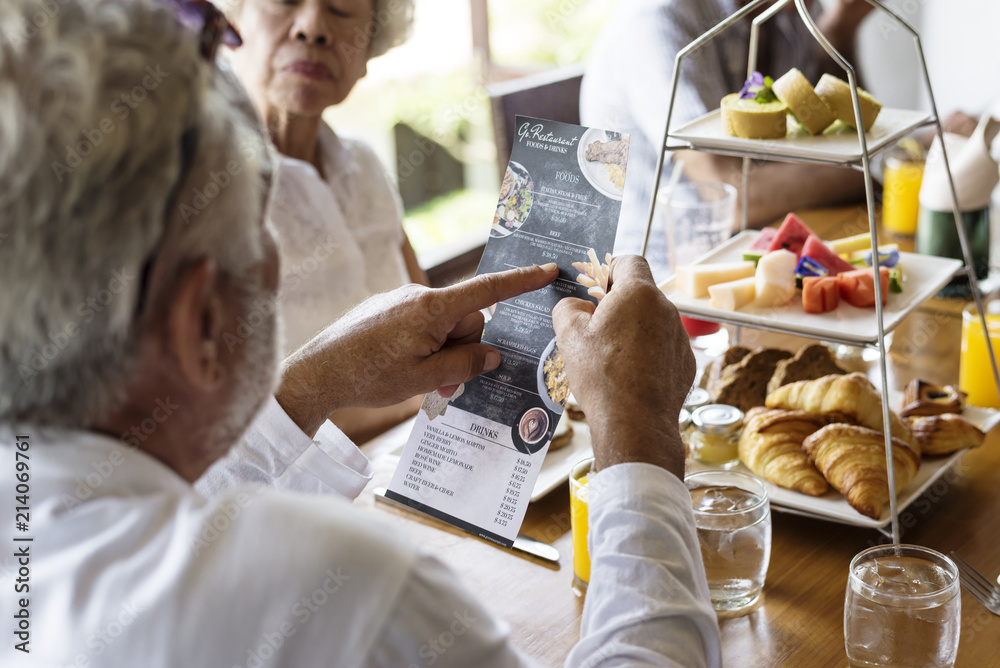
x=684 y=419
x=717 y=418
x=697 y=397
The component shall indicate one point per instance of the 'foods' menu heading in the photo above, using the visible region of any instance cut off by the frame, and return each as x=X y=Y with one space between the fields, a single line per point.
x=472 y=458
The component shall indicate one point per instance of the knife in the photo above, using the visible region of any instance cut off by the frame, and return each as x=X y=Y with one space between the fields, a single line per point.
x=522 y=543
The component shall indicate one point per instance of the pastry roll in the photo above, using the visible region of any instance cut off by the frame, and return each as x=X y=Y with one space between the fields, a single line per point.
x=771 y=446
x=852 y=459
x=836 y=94
x=801 y=99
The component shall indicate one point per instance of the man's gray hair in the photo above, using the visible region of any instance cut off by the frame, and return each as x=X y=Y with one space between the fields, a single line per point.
x=390 y=25
x=95 y=99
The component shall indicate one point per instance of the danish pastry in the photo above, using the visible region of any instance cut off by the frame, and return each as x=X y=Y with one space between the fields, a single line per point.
x=944 y=434
x=923 y=398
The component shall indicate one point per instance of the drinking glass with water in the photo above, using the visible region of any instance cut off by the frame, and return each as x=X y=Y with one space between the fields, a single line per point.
x=733 y=518
x=902 y=608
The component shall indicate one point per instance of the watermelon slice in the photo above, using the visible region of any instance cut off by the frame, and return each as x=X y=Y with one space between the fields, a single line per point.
x=791 y=235
x=763 y=240
x=817 y=249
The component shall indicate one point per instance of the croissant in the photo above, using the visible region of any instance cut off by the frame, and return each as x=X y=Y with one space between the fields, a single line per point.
x=852 y=459
x=771 y=446
x=851 y=396
x=944 y=434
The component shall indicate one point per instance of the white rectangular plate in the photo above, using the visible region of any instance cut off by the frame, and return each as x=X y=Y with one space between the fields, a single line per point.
x=833 y=506
x=923 y=276
x=705 y=132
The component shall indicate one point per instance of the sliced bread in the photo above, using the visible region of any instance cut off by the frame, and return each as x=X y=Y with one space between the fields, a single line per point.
x=744 y=384
x=811 y=362
x=713 y=371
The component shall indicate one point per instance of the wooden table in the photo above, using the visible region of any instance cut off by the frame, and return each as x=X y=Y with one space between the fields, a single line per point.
x=800 y=622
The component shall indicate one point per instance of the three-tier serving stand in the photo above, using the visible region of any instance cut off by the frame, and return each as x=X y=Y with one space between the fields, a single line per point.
x=862 y=161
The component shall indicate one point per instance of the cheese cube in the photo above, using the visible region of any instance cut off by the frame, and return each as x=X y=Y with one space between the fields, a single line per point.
x=694 y=279
x=732 y=295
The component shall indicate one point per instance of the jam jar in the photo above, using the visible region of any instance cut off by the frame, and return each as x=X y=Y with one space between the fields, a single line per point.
x=715 y=434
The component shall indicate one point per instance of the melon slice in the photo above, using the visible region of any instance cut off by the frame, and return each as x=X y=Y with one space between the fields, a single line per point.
x=732 y=295
x=774 y=280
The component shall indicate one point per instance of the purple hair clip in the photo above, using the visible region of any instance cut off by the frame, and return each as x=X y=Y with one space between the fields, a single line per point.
x=209 y=22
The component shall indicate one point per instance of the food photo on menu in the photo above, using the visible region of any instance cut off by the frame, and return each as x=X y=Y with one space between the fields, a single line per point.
x=472 y=458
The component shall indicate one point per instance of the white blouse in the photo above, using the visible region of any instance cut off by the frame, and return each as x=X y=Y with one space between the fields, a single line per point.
x=341 y=234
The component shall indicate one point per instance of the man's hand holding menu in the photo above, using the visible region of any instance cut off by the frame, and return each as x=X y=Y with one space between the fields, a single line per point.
x=630 y=380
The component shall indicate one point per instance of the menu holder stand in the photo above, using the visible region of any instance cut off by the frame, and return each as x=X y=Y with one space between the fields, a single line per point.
x=863 y=164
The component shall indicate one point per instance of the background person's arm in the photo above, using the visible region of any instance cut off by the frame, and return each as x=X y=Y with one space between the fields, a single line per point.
x=413 y=268
x=839 y=23
x=775 y=188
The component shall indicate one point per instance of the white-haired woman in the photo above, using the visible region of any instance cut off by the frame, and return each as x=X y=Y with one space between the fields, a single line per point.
x=335 y=209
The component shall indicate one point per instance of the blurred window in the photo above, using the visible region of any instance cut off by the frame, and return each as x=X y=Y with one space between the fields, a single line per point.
x=424 y=109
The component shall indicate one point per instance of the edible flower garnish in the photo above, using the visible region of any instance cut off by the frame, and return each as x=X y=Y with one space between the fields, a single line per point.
x=888 y=258
x=758 y=87
x=810 y=267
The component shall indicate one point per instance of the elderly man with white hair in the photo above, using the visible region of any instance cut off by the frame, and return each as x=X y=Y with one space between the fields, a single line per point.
x=138 y=343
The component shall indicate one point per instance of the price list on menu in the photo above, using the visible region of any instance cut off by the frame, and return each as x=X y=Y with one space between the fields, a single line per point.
x=472 y=458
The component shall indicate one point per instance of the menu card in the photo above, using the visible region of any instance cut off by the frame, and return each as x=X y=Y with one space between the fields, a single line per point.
x=472 y=459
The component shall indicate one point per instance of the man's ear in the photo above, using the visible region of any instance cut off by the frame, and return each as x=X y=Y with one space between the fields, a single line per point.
x=195 y=324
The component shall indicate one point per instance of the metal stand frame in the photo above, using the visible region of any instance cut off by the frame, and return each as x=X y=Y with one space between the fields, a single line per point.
x=865 y=166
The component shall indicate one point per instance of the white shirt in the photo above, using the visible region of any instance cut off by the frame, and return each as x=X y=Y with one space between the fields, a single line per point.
x=130 y=566
x=276 y=452
x=626 y=88
x=341 y=236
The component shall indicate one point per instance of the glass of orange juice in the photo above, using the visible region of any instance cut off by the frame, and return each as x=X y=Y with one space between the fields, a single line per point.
x=579 y=524
x=975 y=373
x=904 y=171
